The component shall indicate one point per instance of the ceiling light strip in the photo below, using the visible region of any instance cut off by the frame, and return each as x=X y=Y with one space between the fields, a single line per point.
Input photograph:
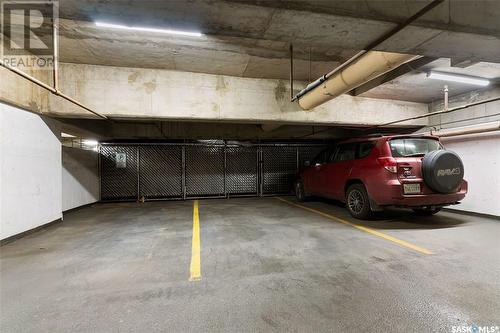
x=154 y=30
x=458 y=78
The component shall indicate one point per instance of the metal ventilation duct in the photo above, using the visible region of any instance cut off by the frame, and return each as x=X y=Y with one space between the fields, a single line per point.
x=464 y=130
x=366 y=68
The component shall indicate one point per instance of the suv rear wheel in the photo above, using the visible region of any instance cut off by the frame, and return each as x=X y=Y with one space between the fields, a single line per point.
x=426 y=211
x=358 y=202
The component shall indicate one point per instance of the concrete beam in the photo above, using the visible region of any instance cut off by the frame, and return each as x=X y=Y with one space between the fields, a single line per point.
x=19 y=92
x=190 y=130
x=478 y=114
x=132 y=93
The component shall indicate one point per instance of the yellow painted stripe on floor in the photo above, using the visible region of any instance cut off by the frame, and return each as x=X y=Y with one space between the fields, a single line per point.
x=195 y=268
x=362 y=228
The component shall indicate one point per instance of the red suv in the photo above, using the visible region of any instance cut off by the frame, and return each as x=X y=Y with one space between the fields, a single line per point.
x=370 y=173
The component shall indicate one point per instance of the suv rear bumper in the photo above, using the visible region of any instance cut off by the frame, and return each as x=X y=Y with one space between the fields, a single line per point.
x=397 y=198
x=428 y=200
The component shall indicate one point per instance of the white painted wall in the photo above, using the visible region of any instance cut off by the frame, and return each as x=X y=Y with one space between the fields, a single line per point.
x=481 y=157
x=30 y=156
x=80 y=177
x=480 y=152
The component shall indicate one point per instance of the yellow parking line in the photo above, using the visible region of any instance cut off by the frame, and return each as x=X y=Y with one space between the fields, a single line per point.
x=195 y=268
x=362 y=228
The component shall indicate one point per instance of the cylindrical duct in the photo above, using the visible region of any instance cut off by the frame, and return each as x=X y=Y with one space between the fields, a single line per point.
x=366 y=68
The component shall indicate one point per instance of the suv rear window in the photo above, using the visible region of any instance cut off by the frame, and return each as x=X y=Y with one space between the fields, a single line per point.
x=413 y=146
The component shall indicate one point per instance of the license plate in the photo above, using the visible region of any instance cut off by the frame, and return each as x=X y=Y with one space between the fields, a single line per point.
x=411 y=188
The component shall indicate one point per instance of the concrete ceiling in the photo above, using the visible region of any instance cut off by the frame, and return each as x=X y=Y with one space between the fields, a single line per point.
x=168 y=130
x=251 y=38
x=416 y=87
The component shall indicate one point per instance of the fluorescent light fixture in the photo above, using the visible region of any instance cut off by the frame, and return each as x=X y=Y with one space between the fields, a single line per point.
x=458 y=78
x=66 y=135
x=90 y=142
x=162 y=31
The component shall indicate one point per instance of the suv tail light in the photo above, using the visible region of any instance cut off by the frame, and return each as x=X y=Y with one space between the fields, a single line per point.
x=389 y=163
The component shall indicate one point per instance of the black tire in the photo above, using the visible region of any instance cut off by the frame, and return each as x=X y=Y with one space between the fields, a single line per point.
x=443 y=171
x=300 y=193
x=426 y=211
x=358 y=202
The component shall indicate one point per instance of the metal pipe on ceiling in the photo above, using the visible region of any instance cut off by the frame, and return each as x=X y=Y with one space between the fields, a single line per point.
x=291 y=70
x=55 y=69
x=430 y=114
x=466 y=119
x=367 y=49
x=372 y=65
x=387 y=35
x=55 y=76
x=465 y=130
x=51 y=89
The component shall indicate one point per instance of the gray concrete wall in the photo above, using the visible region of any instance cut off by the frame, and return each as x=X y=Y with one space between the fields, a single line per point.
x=30 y=173
x=165 y=94
x=80 y=177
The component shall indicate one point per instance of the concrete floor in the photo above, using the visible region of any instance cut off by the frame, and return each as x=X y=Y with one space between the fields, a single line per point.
x=266 y=266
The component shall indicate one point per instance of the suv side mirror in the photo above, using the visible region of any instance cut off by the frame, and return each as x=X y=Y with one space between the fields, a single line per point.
x=307 y=163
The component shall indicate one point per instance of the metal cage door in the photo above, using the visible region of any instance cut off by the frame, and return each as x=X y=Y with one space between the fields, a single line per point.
x=242 y=171
x=119 y=172
x=204 y=171
x=160 y=172
x=279 y=166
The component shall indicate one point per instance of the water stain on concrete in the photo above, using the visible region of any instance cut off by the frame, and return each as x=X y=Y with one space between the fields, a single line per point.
x=280 y=91
x=133 y=77
x=215 y=108
x=221 y=84
x=34 y=106
x=150 y=86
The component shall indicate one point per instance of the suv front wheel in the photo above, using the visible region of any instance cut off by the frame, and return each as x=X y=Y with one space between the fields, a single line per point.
x=358 y=202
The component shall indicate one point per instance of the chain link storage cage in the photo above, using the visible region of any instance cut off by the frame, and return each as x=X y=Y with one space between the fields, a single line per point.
x=205 y=171
x=160 y=172
x=308 y=154
x=119 y=172
x=242 y=171
x=279 y=166
x=185 y=171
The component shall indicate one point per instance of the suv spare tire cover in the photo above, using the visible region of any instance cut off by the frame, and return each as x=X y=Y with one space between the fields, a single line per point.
x=443 y=171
